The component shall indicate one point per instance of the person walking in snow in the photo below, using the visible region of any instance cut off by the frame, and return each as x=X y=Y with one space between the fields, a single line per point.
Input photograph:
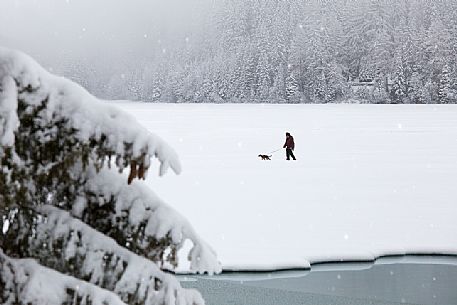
x=289 y=146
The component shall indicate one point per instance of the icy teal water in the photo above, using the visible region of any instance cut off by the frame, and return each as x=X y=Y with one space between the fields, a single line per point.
x=346 y=284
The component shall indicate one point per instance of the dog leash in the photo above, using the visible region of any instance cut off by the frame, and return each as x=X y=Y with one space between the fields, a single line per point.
x=272 y=152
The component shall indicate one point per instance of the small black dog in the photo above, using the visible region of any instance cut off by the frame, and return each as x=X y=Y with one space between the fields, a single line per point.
x=265 y=157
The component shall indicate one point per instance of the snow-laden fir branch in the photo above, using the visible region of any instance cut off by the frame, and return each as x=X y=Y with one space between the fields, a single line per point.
x=140 y=221
x=121 y=134
x=23 y=281
x=58 y=241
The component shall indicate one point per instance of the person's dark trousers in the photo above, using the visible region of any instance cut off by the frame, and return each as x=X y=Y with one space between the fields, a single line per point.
x=289 y=153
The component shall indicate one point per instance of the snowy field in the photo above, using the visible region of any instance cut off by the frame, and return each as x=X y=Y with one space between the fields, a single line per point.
x=369 y=180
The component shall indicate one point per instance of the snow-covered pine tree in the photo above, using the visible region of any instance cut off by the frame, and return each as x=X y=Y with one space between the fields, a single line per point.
x=438 y=50
x=291 y=87
x=444 y=87
x=417 y=90
x=399 y=91
x=73 y=230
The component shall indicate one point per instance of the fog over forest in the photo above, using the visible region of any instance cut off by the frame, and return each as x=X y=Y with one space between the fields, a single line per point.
x=270 y=51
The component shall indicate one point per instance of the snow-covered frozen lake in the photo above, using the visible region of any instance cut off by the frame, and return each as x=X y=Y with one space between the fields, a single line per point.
x=369 y=179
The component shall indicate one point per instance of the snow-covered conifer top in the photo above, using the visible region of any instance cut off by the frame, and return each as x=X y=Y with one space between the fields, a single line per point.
x=20 y=75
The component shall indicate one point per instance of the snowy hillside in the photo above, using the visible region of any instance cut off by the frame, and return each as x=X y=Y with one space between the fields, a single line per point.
x=369 y=180
x=266 y=51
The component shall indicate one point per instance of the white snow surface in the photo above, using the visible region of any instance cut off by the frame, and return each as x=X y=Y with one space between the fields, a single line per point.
x=370 y=180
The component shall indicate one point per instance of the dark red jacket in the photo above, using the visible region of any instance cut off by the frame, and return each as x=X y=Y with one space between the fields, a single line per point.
x=289 y=143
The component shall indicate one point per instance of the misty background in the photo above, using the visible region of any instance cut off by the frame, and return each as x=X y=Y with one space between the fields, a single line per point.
x=270 y=51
